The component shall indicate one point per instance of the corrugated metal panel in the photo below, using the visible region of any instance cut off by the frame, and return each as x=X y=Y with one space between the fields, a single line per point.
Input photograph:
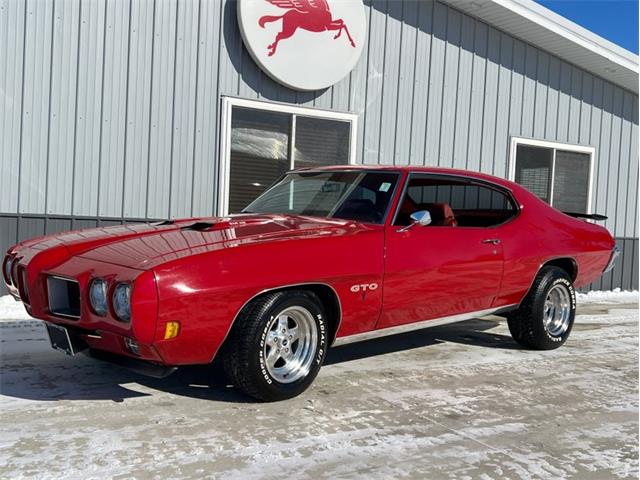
x=463 y=98
x=477 y=96
x=205 y=146
x=66 y=27
x=390 y=85
x=421 y=82
x=436 y=81
x=375 y=62
x=540 y=107
x=138 y=109
x=88 y=113
x=401 y=150
x=450 y=85
x=632 y=192
x=111 y=108
x=114 y=106
x=488 y=121
x=501 y=154
x=162 y=108
x=184 y=106
x=35 y=107
x=12 y=26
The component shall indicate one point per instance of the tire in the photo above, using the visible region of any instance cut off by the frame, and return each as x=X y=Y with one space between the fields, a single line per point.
x=259 y=334
x=536 y=324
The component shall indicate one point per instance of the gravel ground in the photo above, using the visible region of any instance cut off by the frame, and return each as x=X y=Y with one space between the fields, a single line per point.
x=461 y=401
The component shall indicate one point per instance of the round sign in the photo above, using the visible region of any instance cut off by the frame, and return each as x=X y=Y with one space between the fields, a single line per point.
x=304 y=44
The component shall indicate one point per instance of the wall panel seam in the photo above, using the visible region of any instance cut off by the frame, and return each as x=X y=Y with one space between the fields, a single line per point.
x=153 y=49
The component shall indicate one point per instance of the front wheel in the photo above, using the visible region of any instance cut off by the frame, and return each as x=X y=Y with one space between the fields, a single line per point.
x=545 y=317
x=277 y=345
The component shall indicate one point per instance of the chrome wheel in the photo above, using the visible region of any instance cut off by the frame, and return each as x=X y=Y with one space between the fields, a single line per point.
x=290 y=344
x=557 y=310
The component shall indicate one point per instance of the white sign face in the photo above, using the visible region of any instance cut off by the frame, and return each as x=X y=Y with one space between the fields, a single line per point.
x=304 y=44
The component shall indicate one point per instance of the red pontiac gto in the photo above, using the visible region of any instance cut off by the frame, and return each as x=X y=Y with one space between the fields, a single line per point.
x=325 y=256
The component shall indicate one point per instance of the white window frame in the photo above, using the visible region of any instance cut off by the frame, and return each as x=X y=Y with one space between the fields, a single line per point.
x=225 y=136
x=568 y=147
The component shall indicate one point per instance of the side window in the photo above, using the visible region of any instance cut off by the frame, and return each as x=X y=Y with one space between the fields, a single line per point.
x=455 y=203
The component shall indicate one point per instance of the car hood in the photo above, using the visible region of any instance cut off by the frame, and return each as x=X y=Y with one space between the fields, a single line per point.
x=144 y=246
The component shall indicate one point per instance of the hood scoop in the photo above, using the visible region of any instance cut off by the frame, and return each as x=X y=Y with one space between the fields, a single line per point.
x=199 y=226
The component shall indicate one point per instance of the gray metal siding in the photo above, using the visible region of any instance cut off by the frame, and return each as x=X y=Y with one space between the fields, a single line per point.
x=110 y=108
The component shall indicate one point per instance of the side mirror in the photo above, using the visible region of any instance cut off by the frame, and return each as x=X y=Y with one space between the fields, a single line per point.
x=421 y=217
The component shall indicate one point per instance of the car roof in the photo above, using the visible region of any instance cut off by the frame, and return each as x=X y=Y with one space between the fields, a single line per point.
x=415 y=169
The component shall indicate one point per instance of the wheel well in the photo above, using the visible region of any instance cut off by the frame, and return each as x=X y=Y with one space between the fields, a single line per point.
x=567 y=264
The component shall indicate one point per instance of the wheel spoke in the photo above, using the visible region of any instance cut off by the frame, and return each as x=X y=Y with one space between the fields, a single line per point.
x=272 y=357
x=294 y=334
x=270 y=340
x=283 y=323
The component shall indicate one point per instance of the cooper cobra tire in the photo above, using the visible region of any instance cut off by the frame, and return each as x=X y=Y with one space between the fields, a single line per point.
x=277 y=345
x=545 y=317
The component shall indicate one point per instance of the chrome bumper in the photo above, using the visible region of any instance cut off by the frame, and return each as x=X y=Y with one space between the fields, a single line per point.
x=612 y=260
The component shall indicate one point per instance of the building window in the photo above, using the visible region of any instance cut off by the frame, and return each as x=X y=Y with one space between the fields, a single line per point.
x=262 y=140
x=560 y=174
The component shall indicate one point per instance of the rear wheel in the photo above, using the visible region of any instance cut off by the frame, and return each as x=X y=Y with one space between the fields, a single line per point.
x=277 y=345
x=545 y=317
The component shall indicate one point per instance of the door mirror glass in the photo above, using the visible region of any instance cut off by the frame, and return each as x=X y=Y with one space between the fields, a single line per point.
x=422 y=218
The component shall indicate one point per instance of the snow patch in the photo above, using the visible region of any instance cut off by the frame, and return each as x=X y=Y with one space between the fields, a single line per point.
x=613 y=297
x=11 y=310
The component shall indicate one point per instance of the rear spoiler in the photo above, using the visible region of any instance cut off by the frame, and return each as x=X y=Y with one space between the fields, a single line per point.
x=588 y=216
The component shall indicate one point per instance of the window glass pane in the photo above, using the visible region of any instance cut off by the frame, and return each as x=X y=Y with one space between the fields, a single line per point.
x=321 y=142
x=533 y=170
x=259 y=153
x=350 y=195
x=469 y=205
x=571 y=181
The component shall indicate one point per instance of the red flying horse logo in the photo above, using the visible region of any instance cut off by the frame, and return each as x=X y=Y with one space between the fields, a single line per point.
x=311 y=15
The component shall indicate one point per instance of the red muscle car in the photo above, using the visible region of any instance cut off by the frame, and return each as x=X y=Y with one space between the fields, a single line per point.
x=323 y=257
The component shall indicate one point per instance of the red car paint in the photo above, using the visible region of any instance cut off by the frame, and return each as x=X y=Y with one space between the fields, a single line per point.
x=382 y=277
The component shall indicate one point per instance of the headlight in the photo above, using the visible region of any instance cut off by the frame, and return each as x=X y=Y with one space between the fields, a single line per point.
x=7 y=271
x=98 y=296
x=122 y=301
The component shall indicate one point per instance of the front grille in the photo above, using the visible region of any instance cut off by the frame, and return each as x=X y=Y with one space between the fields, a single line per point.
x=64 y=297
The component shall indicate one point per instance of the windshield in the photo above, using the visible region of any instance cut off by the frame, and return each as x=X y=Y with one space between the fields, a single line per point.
x=349 y=195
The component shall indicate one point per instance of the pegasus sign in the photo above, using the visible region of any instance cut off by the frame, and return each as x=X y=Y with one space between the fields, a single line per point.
x=304 y=44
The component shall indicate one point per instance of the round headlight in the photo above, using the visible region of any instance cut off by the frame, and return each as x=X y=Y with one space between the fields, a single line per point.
x=7 y=271
x=122 y=301
x=98 y=297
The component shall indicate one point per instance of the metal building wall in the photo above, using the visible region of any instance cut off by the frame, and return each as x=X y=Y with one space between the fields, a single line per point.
x=110 y=108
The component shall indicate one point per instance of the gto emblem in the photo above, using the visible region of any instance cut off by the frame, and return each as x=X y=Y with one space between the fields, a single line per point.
x=363 y=287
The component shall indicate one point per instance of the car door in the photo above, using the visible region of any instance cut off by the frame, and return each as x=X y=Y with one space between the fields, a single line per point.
x=445 y=268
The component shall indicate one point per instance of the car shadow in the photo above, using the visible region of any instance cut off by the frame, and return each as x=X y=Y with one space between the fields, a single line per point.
x=470 y=332
x=49 y=376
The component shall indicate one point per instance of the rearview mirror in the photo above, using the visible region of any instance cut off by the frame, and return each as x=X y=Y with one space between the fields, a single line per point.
x=421 y=217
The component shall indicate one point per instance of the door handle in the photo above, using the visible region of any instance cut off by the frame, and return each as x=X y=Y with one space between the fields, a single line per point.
x=492 y=241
